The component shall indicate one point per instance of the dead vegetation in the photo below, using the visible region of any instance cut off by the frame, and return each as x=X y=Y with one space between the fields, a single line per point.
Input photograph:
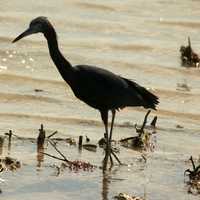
x=124 y=196
x=139 y=142
x=194 y=178
x=144 y=141
x=75 y=165
x=188 y=57
x=9 y=163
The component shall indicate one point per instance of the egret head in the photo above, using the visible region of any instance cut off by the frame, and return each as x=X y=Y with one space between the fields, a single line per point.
x=37 y=25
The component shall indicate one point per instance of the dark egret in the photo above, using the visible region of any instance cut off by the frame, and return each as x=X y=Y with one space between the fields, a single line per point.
x=97 y=87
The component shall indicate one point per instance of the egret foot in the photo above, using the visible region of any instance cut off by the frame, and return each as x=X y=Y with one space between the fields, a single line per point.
x=109 y=154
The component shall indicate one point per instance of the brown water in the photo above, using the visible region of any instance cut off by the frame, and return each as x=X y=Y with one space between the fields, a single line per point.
x=137 y=39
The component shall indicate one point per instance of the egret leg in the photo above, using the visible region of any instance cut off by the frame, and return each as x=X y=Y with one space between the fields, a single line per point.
x=111 y=162
x=110 y=137
x=104 y=116
x=116 y=157
x=108 y=152
x=112 y=124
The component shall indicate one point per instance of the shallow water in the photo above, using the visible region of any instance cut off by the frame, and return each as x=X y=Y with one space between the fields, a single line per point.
x=137 y=39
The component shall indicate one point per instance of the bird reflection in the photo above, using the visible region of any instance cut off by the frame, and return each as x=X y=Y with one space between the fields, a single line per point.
x=105 y=185
x=9 y=134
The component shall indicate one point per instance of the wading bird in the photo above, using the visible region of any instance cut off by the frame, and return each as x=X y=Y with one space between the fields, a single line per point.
x=97 y=87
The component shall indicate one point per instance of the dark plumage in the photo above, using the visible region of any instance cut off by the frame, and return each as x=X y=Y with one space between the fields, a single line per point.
x=97 y=87
x=104 y=90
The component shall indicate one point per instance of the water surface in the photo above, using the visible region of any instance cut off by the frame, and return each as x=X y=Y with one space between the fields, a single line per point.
x=137 y=39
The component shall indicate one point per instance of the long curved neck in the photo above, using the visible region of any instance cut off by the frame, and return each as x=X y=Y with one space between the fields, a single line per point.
x=63 y=66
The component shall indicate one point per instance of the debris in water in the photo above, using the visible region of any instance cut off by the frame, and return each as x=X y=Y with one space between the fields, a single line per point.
x=143 y=141
x=72 y=165
x=153 y=122
x=188 y=57
x=70 y=141
x=102 y=141
x=90 y=147
x=80 y=141
x=41 y=136
x=9 y=163
x=78 y=165
x=179 y=126
x=194 y=178
x=38 y=90
x=124 y=196
x=51 y=135
x=87 y=138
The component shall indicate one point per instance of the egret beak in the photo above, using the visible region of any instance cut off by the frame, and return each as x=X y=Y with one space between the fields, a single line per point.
x=24 y=34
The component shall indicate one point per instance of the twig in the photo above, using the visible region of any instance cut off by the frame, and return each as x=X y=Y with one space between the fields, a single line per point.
x=80 y=141
x=153 y=123
x=126 y=139
x=116 y=157
x=54 y=133
x=53 y=156
x=41 y=136
x=54 y=146
x=190 y=50
x=193 y=165
x=189 y=42
x=145 y=120
x=141 y=130
x=10 y=133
